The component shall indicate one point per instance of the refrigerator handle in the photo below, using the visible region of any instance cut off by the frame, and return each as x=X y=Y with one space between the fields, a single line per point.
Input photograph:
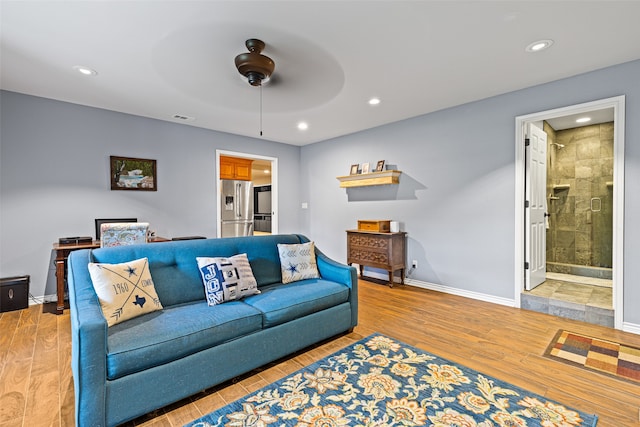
x=238 y=201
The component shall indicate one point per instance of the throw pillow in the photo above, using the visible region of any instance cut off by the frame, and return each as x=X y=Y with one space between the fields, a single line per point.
x=298 y=262
x=125 y=290
x=227 y=279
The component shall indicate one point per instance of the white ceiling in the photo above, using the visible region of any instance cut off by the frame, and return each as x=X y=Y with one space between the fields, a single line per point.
x=595 y=117
x=161 y=58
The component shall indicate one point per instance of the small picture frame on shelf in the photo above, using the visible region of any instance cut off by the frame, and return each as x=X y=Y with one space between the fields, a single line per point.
x=354 y=169
x=380 y=166
x=365 y=167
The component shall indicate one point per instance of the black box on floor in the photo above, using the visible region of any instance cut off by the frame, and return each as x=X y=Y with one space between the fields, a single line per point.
x=14 y=293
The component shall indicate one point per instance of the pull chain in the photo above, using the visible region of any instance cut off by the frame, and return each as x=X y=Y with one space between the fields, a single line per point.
x=261 y=109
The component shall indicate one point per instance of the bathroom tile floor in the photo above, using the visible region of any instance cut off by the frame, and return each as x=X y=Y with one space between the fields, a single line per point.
x=589 y=303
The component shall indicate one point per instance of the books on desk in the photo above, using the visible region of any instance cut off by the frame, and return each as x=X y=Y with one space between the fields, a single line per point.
x=76 y=240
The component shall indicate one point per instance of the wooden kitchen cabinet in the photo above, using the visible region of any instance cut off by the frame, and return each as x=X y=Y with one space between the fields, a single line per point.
x=386 y=251
x=235 y=168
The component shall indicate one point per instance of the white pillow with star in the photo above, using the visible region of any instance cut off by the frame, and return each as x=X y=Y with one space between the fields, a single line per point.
x=298 y=262
x=125 y=290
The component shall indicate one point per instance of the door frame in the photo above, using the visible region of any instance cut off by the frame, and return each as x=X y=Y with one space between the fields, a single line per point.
x=618 y=105
x=274 y=185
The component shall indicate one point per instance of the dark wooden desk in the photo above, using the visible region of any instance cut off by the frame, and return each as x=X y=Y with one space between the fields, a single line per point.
x=62 y=253
x=379 y=250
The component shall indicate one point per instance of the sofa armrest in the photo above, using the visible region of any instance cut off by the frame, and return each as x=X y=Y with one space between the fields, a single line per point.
x=340 y=273
x=88 y=343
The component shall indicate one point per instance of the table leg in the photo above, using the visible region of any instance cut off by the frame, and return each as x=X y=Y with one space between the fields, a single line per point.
x=60 y=264
x=391 y=278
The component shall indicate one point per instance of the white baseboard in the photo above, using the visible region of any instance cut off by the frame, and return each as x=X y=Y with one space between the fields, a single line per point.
x=445 y=289
x=461 y=292
x=631 y=327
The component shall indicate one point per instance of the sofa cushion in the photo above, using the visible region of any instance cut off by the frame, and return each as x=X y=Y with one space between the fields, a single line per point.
x=125 y=290
x=227 y=279
x=281 y=303
x=298 y=262
x=176 y=332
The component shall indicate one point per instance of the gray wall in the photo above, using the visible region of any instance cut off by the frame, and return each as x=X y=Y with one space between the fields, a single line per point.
x=455 y=199
x=457 y=193
x=54 y=178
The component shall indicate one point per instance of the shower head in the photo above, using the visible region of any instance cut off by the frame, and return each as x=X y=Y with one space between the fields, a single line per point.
x=560 y=146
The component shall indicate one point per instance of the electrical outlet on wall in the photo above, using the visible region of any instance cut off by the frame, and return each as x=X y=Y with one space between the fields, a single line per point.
x=414 y=263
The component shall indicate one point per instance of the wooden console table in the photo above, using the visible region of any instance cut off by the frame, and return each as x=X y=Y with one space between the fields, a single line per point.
x=380 y=250
x=62 y=253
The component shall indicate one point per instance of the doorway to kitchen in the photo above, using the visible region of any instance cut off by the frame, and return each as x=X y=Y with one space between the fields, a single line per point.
x=582 y=204
x=264 y=175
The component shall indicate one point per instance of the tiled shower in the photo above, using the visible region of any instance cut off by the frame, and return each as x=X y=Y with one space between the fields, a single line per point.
x=580 y=200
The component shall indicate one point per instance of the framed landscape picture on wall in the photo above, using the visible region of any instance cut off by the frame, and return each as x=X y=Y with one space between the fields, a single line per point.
x=129 y=173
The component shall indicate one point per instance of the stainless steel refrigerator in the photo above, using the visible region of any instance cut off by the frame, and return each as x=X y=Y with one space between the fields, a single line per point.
x=236 y=208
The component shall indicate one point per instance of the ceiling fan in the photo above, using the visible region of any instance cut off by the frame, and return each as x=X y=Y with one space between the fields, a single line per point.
x=253 y=65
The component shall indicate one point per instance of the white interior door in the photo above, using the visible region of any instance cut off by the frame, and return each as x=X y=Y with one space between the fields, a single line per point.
x=536 y=212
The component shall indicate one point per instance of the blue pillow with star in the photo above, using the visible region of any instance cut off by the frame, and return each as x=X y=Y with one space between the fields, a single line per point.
x=125 y=290
x=298 y=262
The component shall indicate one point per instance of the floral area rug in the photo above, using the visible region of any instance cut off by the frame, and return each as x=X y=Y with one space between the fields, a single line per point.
x=379 y=381
x=607 y=357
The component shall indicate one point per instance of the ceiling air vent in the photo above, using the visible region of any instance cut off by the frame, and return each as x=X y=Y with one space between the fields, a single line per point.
x=183 y=117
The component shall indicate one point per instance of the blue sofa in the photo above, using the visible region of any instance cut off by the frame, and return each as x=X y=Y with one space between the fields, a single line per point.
x=145 y=363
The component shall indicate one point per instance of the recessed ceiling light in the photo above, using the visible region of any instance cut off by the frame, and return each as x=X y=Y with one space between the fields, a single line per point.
x=85 y=70
x=539 y=45
x=303 y=126
x=583 y=120
x=374 y=101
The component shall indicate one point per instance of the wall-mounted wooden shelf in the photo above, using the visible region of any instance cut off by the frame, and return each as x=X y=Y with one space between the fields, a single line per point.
x=372 y=178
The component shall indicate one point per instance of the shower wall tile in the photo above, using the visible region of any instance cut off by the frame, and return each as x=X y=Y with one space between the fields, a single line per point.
x=565 y=221
x=606 y=132
x=564 y=169
x=583 y=256
x=579 y=135
x=588 y=149
x=606 y=149
x=587 y=168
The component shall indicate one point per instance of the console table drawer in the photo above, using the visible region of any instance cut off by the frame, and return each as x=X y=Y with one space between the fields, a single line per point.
x=362 y=240
x=368 y=257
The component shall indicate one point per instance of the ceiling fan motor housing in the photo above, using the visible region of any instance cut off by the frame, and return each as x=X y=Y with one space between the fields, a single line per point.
x=253 y=65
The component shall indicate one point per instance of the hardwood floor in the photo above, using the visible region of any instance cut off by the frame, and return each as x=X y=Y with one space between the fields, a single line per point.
x=36 y=387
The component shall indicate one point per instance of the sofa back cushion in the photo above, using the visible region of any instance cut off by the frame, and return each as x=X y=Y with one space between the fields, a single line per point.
x=174 y=268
